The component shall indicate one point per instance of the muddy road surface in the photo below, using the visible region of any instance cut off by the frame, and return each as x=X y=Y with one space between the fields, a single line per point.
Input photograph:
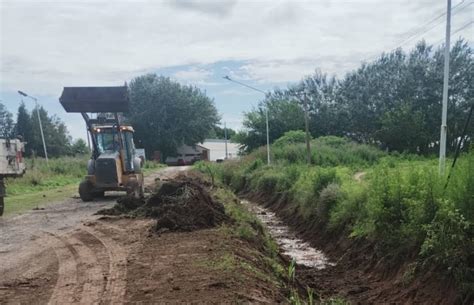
x=57 y=238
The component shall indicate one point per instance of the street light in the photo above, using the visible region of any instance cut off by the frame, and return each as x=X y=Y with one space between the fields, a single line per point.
x=266 y=112
x=39 y=120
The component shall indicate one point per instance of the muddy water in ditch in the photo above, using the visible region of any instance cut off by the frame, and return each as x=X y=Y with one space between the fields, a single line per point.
x=289 y=243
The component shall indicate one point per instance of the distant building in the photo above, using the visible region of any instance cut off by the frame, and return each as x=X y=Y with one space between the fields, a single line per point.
x=216 y=148
x=186 y=155
x=209 y=150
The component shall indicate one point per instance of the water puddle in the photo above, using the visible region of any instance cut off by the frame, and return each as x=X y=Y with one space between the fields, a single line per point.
x=289 y=243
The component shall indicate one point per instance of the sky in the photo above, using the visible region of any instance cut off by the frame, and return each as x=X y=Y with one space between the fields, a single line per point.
x=47 y=45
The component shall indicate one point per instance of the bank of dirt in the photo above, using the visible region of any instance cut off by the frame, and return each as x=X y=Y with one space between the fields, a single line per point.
x=128 y=257
x=360 y=275
x=182 y=204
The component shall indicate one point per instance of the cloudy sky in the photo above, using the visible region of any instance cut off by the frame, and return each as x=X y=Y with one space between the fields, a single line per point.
x=45 y=45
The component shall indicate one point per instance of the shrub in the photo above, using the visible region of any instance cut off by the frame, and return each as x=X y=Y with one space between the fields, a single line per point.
x=328 y=198
x=291 y=137
x=450 y=243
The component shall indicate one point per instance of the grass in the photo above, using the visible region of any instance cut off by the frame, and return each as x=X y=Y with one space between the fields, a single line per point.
x=248 y=227
x=400 y=204
x=151 y=165
x=24 y=202
x=43 y=183
x=41 y=177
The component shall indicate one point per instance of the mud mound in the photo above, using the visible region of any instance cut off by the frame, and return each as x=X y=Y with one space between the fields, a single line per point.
x=123 y=206
x=182 y=204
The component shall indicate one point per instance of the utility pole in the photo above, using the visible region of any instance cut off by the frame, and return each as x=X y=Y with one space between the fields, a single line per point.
x=444 y=114
x=306 y=123
x=40 y=125
x=225 y=137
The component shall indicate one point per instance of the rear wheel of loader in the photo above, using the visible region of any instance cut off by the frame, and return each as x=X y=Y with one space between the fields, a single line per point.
x=99 y=194
x=1 y=206
x=86 y=191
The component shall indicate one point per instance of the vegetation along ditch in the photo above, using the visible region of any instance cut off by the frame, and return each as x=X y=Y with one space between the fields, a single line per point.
x=394 y=231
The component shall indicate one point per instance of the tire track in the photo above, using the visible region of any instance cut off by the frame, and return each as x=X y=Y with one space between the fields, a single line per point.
x=92 y=277
x=65 y=288
x=117 y=279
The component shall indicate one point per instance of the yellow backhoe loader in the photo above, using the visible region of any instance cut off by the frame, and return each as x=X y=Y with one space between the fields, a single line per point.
x=114 y=165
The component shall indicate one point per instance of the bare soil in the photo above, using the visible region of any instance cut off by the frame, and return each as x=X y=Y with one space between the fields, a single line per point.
x=66 y=255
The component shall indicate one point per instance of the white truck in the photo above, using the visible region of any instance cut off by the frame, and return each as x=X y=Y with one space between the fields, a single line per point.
x=11 y=164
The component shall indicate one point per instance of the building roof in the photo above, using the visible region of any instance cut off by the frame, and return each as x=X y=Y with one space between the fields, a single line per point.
x=95 y=99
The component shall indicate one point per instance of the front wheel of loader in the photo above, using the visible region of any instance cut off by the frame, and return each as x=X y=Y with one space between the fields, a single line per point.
x=1 y=206
x=86 y=191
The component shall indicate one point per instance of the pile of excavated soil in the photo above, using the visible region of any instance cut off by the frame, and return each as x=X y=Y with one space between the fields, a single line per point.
x=182 y=204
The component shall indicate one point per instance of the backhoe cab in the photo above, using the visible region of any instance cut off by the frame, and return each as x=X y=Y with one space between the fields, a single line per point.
x=114 y=165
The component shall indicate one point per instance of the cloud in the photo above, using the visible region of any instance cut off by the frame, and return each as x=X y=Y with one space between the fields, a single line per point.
x=47 y=45
x=220 y=8
x=193 y=75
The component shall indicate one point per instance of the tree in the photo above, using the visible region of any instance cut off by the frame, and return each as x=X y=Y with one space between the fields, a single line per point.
x=55 y=133
x=23 y=126
x=79 y=147
x=393 y=101
x=166 y=114
x=395 y=124
x=219 y=133
x=6 y=123
x=284 y=114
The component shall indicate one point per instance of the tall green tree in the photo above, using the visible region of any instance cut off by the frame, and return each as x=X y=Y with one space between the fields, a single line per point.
x=6 y=123
x=79 y=147
x=23 y=122
x=284 y=114
x=58 y=141
x=166 y=114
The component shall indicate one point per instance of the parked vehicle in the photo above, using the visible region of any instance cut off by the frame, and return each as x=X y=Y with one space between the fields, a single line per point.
x=11 y=164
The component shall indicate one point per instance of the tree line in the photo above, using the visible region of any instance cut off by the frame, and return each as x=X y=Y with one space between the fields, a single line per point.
x=26 y=126
x=393 y=102
x=164 y=114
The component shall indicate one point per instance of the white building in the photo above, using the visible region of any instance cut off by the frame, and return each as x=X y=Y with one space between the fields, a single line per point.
x=216 y=149
x=210 y=150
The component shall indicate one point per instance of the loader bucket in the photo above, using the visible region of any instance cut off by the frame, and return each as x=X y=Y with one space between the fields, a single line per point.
x=95 y=99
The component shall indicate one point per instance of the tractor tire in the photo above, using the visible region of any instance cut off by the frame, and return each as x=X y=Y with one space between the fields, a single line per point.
x=1 y=206
x=86 y=191
x=99 y=194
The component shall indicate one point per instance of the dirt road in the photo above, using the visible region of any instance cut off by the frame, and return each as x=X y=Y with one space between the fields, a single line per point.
x=66 y=255
x=36 y=240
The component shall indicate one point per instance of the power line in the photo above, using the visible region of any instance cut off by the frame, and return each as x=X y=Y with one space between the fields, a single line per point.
x=423 y=29
x=434 y=19
x=430 y=28
x=457 y=31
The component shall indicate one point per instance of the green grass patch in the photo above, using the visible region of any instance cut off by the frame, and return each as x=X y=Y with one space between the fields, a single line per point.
x=151 y=165
x=21 y=203
x=40 y=176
